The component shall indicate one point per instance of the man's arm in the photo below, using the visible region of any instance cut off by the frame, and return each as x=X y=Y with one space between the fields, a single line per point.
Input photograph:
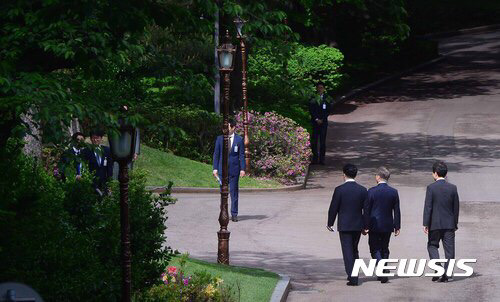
x=242 y=155
x=367 y=209
x=427 y=208
x=397 y=213
x=334 y=207
x=456 y=207
x=216 y=155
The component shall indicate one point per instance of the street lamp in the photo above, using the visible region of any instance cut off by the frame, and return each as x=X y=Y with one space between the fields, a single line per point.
x=226 y=55
x=122 y=150
x=239 y=29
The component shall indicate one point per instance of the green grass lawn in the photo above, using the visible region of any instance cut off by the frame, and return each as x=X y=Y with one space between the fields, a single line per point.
x=255 y=284
x=163 y=167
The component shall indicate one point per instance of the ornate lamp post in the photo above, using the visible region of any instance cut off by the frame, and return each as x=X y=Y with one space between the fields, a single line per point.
x=122 y=150
x=239 y=27
x=226 y=54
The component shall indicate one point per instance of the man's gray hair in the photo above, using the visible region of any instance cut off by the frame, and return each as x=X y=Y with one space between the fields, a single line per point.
x=384 y=173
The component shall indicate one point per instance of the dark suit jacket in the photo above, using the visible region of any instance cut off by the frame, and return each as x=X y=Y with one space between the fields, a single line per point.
x=441 y=206
x=382 y=202
x=103 y=169
x=320 y=109
x=348 y=201
x=236 y=157
x=71 y=160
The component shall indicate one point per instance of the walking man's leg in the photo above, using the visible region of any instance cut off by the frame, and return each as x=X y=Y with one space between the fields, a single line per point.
x=233 y=190
x=346 y=242
x=433 y=246
x=449 y=248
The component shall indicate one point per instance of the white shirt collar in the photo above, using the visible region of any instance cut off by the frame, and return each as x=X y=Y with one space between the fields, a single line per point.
x=382 y=182
x=350 y=180
x=440 y=178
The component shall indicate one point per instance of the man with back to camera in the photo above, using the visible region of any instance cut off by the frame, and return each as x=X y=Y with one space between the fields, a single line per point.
x=441 y=216
x=319 y=108
x=236 y=161
x=382 y=217
x=348 y=202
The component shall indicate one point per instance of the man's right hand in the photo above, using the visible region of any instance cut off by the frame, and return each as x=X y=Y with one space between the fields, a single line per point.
x=319 y=122
x=426 y=229
x=215 y=173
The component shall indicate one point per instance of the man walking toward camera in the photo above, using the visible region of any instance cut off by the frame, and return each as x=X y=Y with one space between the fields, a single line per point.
x=319 y=108
x=100 y=162
x=236 y=161
x=347 y=202
x=382 y=217
x=441 y=216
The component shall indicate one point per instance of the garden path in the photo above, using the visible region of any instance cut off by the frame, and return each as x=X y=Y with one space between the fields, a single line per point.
x=449 y=111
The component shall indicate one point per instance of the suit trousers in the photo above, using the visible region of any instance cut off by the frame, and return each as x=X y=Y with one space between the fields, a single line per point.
x=233 y=191
x=379 y=244
x=448 y=239
x=319 y=133
x=349 y=242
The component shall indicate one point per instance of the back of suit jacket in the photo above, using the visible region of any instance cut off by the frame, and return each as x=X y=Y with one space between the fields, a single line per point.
x=441 y=206
x=348 y=202
x=382 y=213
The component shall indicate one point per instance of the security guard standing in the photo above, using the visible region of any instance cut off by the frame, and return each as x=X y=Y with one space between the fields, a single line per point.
x=319 y=108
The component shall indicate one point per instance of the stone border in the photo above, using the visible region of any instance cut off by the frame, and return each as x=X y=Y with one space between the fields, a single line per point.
x=282 y=289
x=161 y=189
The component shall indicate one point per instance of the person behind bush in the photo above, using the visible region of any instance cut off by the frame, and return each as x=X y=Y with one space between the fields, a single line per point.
x=72 y=157
x=100 y=162
x=319 y=108
x=236 y=161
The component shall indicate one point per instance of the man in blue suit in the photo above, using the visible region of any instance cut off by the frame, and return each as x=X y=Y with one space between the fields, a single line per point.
x=348 y=202
x=236 y=161
x=382 y=216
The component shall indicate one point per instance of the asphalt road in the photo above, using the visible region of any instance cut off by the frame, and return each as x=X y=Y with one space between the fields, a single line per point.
x=449 y=111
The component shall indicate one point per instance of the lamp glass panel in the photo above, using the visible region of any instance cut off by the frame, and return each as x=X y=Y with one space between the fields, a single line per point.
x=226 y=59
x=122 y=145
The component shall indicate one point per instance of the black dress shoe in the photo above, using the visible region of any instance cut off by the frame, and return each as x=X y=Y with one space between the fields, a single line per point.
x=234 y=218
x=350 y=283
x=444 y=279
x=384 y=279
x=434 y=279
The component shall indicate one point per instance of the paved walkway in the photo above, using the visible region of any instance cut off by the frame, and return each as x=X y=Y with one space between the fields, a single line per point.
x=450 y=111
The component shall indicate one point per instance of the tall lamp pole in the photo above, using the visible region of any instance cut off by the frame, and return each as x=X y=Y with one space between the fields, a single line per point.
x=226 y=55
x=239 y=28
x=122 y=150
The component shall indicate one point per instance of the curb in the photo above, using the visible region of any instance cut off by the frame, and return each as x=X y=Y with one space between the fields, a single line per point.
x=281 y=290
x=343 y=98
x=473 y=30
x=161 y=189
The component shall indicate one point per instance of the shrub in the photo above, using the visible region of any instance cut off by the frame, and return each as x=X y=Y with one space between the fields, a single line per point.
x=280 y=148
x=281 y=78
x=64 y=242
x=178 y=286
x=186 y=131
x=317 y=63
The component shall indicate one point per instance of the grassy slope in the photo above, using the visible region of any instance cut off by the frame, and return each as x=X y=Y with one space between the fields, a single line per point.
x=164 y=167
x=255 y=284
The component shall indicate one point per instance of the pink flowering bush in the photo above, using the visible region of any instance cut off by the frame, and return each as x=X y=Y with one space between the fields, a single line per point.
x=280 y=147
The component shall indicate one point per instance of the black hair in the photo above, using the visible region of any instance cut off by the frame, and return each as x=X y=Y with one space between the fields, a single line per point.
x=232 y=122
x=97 y=132
x=440 y=168
x=350 y=170
x=320 y=83
x=76 y=135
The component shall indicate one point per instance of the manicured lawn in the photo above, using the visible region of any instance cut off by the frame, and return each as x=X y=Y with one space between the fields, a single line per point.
x=255 y=284
x=163 y=167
